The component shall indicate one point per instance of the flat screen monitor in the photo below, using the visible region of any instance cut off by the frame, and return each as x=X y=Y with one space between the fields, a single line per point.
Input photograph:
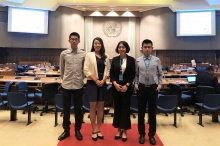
x=27 y=20
x=191 y=79
x=196 y=23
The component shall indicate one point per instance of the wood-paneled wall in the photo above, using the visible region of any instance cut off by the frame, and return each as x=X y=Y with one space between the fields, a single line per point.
x=14 y=55
x=169 y=57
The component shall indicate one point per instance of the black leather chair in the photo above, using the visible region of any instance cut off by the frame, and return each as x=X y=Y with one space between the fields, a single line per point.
x=176 y=89
x=48 y=92
x=201 y=92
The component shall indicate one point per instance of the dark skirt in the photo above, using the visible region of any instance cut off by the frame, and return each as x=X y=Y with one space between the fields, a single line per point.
x=94 y=93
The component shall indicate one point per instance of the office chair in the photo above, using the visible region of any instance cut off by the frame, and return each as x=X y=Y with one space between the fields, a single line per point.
x=109 y=102
x=201 y=92
x=6 y=89
x=211 y=104
x=48 y=92
x=134 y=105
x=167 y=104
x=59 y=106
x=2 y=102
x=19 y=101
x=22 y=87
x=175 y=89
x=86 y=107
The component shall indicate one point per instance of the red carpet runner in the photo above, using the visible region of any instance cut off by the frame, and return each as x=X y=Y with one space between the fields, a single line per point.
x=109 y=132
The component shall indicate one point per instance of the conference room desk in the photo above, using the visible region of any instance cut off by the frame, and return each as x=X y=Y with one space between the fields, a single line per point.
x=181 y=81
x=41 y=73
x=35 y=83
x=30 y=80
x=181 y=75
x=5 y=71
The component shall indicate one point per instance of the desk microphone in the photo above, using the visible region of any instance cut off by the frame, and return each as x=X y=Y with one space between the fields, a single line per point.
x=1 y=77
x=36 y=78
x=17 y=77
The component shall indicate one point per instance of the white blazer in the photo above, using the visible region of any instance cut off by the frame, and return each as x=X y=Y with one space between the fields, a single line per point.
x=90 y=66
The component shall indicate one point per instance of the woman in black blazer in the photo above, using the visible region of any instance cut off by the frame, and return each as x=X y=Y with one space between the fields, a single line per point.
x=122 y=74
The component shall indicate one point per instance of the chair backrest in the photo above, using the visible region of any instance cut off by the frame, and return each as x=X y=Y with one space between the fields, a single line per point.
x=109 y=101
x=134 y=104
x=175 y=89
x=85 y=102
x=7 y=87
x=49 y=90
x=59 y=101
x=1 y=101
x=22 y=86
x=16 y=99
x=202 y=91
x=212 y=101
x=167 y=101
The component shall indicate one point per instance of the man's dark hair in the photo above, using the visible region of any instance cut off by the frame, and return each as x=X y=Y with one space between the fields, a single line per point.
x=125 y=44
x=210 y=68
x=147 y=41
x=74 y=34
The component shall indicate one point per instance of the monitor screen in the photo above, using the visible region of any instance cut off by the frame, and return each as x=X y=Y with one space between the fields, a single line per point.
x=196 y=23
x=191 y=78
x=27 y=20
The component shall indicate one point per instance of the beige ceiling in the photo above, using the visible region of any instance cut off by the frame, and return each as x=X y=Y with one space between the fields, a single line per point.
x=116 y=5
x=112 y=8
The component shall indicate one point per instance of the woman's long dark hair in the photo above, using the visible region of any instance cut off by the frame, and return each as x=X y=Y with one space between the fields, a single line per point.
x=102 y=50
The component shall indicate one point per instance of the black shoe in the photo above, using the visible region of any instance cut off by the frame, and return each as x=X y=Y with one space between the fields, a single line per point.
x=64 y=135
x=78 y=135
x=125 y=138
x=142 y=139
x=152 y=140
x=100 y=137
x=95 y=138
x=118 y=137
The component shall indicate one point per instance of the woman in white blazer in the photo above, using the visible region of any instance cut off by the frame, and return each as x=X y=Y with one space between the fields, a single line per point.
x=96 y=69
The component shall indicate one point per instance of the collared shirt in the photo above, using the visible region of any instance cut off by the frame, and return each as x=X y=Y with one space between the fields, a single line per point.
x=71 y=68
x=154 y=71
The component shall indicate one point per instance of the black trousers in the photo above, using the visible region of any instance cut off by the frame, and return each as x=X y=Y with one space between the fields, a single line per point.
x=121 y=117
x=77 y=99
x=147 y=95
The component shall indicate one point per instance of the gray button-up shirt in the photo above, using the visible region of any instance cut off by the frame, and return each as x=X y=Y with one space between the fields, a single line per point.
x=154 y=72
x=71 y=68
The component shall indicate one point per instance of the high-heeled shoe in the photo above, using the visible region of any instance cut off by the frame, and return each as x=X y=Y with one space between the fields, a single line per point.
x=95 y=138
x=124 y=139
x=118 y=136
x=100 y=137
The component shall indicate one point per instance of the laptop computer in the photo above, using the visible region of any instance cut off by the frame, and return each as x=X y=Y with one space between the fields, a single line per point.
x=191 y=79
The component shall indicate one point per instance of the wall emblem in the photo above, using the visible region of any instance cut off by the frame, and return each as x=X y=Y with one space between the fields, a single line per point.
x=112 y=28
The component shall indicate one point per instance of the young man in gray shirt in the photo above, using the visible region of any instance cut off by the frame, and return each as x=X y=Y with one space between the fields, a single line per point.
x=148 y=81
x=71 y=70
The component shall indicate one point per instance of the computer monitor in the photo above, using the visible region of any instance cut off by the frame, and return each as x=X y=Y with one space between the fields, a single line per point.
x=191 y=79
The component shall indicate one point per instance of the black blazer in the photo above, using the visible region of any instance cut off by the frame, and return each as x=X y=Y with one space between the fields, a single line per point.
x=129 y=72
x=207 y=79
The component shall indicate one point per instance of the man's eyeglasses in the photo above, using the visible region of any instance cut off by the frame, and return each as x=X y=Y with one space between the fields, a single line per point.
x=74 y=39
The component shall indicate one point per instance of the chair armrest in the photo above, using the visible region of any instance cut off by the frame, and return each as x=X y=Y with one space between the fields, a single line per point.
x=37 y=90
x=22 y=91
x=188 y=91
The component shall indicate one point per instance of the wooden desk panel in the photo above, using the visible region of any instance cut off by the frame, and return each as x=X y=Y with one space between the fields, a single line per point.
x=30 y=72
